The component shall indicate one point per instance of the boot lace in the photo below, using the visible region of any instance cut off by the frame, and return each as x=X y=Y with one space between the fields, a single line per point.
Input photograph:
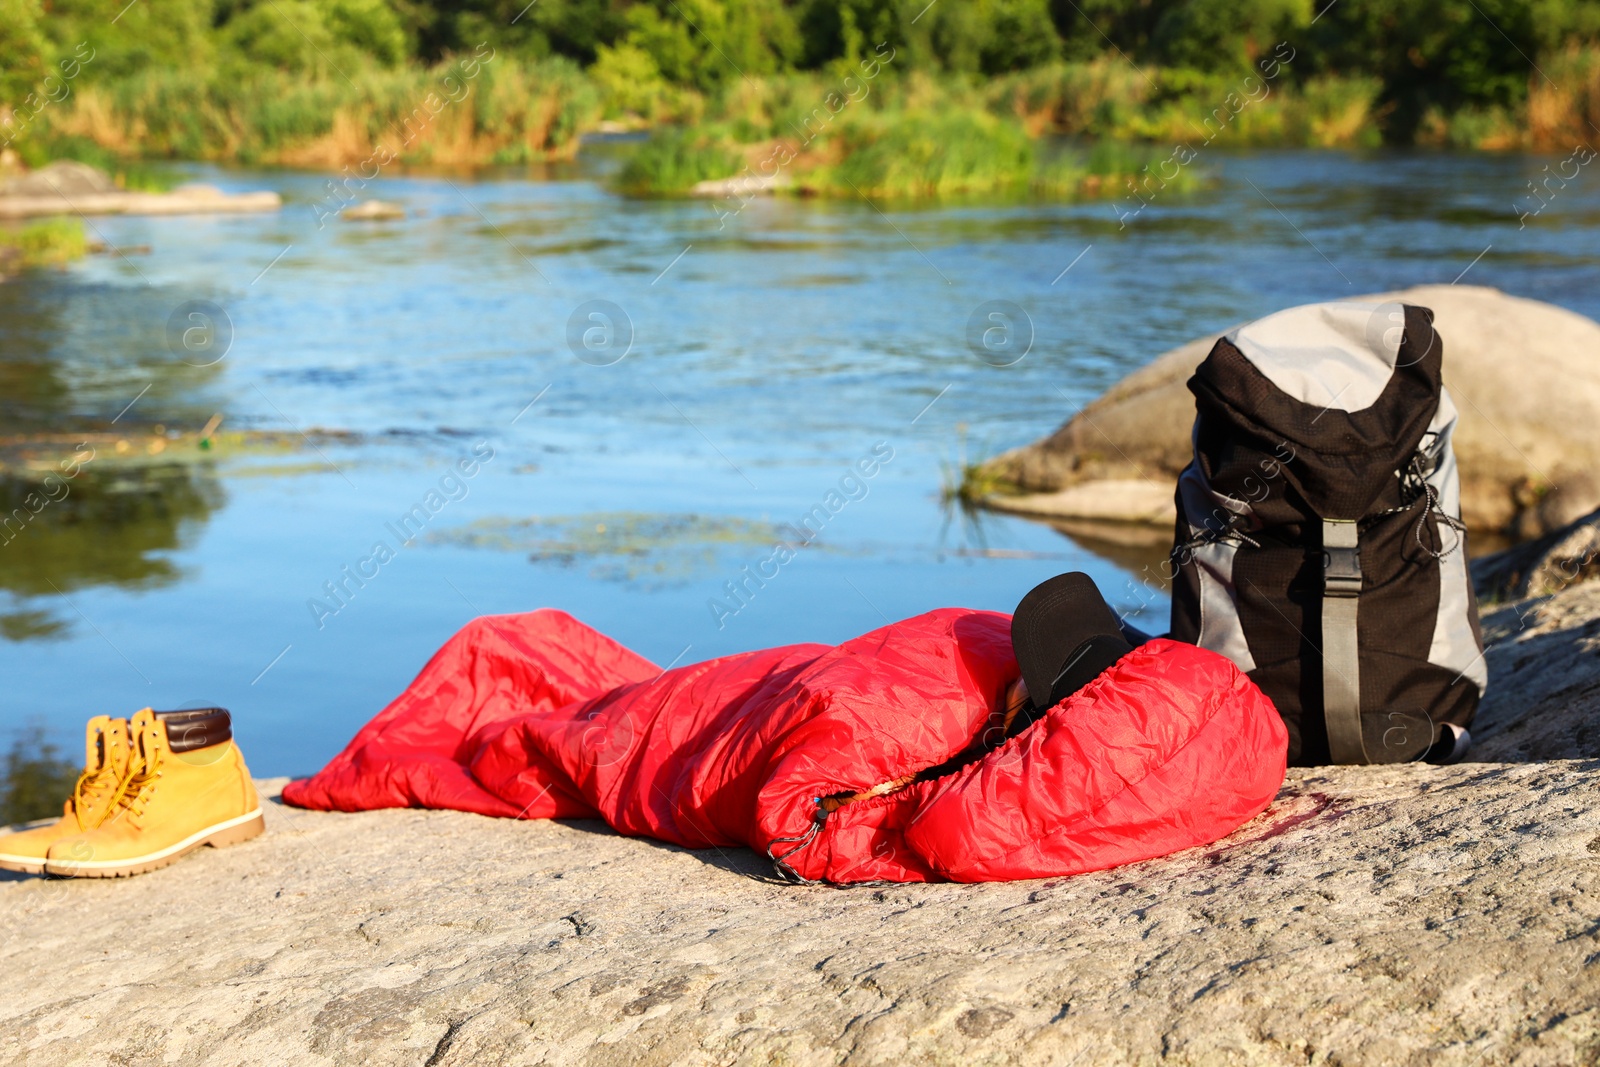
x=92 y=786
x=137 y=785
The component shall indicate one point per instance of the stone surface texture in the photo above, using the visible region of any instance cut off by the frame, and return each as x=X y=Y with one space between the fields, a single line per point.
x=1543 y=566
x=1373 y=916
x=1523 y=373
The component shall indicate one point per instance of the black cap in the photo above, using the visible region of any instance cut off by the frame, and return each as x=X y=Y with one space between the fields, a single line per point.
x=1064 y=635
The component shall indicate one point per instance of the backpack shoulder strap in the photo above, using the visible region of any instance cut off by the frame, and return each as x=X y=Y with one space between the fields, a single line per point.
x=1341 y=660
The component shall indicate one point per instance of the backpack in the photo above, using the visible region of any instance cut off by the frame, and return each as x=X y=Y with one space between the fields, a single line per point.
x=1319 y=544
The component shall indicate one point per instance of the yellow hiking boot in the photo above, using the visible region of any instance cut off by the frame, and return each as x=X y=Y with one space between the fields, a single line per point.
x=186 y=786
x=105 y=762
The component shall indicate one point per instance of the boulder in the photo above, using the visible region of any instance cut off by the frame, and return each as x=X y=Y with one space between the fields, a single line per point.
x=66 y=187
x=1524 y=374
x=1372 y=916
x=372 y=211
x=741 y=186
x=1543 y=566
x=64 y=177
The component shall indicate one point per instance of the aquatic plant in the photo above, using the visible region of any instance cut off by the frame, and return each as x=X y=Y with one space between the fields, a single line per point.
x=45 y=243
x=622 y=546
x=965 y=482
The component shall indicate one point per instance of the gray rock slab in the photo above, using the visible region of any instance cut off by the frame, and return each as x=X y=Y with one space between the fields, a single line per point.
x=1544 y=678
x=1372 y=916
x=1392 y=915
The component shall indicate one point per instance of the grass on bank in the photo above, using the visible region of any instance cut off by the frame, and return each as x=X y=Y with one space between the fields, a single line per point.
x=673 y=161
x=517 y=111
x=915 y=135
x=130 y=174
x=898 y=156
x=961 y=154
x=480 y=111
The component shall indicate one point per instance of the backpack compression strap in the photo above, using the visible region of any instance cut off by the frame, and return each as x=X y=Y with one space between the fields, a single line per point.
x=1341 y=660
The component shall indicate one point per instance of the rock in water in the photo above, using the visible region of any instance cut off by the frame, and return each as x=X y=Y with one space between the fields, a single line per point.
x=741 y=186
x=372 y=211
x=1523 y=373
x=69 y=188
x=64 y=177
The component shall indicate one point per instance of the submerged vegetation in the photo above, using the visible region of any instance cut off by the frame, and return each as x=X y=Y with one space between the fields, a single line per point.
x=966 y=482
x=41 y=244
x=917 y=99
x=622 y=546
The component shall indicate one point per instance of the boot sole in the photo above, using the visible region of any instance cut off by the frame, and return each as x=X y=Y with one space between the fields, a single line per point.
x=13 y=861
x=21 y=864
x=219 y=835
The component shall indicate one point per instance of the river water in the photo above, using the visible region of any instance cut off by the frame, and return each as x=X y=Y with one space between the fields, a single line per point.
x=790 y=359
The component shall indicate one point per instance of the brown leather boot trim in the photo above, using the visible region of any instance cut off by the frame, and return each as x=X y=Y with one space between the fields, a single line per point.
x=192 y=728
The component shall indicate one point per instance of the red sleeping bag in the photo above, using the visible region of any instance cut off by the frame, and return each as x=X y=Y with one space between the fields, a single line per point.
x=537 y=716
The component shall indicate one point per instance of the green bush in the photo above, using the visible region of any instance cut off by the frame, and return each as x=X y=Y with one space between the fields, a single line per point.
x=1226 y=35
x=930 y=156
x=711 y=43
x=1446 y=55
x=22 y=50
x=252 y=79
x=992 y=36
x=630 y=80
x=328 y=37
x=168 y=35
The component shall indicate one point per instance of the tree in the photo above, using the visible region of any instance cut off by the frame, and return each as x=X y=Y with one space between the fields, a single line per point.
x=22 y=53
x=169 y=34
x=1219 y=35
x=1445 y=54
x=318 y=35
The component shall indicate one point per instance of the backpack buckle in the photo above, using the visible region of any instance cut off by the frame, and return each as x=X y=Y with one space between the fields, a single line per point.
x=1341 y=560
x=1341 y=572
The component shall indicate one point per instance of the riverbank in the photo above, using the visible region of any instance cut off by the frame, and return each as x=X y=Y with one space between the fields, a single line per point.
x=1382 y=913
x=494 y=109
